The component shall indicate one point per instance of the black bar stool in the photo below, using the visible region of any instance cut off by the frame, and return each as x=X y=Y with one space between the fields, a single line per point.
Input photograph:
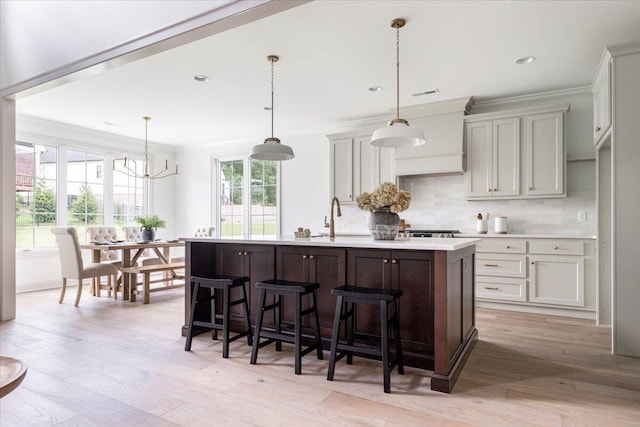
x=279 y=288
x=387 y=300
x=217 y=285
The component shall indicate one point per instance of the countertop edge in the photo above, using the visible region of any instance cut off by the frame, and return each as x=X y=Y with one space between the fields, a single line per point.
x=426 y=244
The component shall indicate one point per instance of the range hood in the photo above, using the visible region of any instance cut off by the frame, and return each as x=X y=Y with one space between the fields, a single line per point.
x=443 y=126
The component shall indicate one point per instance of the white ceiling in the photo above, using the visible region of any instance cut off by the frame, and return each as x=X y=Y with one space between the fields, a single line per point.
x=330 y=53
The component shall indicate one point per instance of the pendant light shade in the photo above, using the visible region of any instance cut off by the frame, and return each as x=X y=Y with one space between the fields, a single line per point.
x=398 y=134
x=271 y=149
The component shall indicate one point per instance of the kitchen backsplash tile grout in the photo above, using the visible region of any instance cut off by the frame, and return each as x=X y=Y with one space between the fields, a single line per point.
x=439 y=202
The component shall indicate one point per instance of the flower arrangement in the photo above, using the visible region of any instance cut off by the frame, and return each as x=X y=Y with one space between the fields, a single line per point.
x=386 y=194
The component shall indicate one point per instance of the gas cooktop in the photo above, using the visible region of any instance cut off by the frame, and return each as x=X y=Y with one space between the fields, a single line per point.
x=431 y=233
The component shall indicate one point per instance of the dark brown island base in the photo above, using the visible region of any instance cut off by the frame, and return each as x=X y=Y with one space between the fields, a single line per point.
x=436 y=276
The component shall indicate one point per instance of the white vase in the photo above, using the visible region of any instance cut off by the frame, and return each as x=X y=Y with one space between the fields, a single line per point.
x=481 y=226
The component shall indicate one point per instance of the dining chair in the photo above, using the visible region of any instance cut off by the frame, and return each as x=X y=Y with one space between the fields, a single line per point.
x=72 y=265
x=199 y=232
x=105 y=235
x=134 y=234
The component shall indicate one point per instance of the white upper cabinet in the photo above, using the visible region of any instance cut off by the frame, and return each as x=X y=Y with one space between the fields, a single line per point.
x=601 y=89
x=545 y=154
x=357 y=166
x=493 y=158
x=496 y=165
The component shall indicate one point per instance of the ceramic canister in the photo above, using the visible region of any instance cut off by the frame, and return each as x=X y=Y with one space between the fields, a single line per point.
x=500 y=224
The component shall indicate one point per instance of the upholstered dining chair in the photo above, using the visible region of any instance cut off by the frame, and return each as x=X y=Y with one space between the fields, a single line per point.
x=199 y=232
x=105 y=235
x=72 y=266
x=134 y=234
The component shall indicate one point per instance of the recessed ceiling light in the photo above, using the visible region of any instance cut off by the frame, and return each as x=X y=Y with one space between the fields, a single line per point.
x=200 y=78
x=375 y=89
x=525 y=60
x=426 y=92
x=114 y=124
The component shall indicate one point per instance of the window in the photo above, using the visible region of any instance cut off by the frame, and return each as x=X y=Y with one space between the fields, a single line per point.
x=36 y=206
x=85 y=192
x=74 y=193
x=128 y=193
x=253 y=216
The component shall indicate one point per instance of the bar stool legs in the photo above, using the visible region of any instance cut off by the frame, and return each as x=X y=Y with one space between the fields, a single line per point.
x=217 y=285
x=347 y=299
x=280 y=288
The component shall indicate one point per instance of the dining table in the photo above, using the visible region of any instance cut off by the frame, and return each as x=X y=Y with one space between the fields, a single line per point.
x=131 y=252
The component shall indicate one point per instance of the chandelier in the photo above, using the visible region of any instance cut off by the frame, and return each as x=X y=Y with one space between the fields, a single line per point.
x=133 y=172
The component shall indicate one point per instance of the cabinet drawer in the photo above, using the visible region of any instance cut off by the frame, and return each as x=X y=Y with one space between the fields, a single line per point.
x=497 y=288
x=501 y=265
x=556 y=247
x=506 y=246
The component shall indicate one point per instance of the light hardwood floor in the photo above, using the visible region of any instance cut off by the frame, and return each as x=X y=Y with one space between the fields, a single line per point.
x=121 y=364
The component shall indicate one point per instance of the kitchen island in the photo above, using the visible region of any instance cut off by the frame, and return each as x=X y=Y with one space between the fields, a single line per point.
x=436 y=276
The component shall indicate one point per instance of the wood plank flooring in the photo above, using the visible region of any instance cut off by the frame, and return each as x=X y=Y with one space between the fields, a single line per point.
x=114 y=363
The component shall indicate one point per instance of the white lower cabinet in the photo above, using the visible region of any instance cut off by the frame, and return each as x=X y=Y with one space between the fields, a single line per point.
x=549 y=276
x=556 y=279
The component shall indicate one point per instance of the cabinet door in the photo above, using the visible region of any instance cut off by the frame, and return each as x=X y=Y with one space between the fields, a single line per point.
x=545 y=154
x=601 y=104
x=231 y=260
x=412 y=272
x=292 y=263
x=341 y=174
x=506 y=157
x=557 y=280
x=327 y=266
x=368 y=268
x=479 y=140
x=259 y=265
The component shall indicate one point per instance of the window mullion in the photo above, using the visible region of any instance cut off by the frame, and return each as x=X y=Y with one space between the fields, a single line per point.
x=246 y=199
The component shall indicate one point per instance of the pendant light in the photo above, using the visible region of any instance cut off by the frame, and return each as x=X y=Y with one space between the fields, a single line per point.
x=397 y=134
x=133 y=173
x=271 y=149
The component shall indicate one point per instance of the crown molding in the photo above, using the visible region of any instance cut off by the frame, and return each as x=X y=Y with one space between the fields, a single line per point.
x=529 y=100
x=621 y=49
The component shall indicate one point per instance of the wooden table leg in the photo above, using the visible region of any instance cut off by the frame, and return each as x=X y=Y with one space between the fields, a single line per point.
x=126 y=278
x=147 y=287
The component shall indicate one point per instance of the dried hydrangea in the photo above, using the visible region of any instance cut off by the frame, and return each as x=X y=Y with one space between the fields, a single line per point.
x=387 y=194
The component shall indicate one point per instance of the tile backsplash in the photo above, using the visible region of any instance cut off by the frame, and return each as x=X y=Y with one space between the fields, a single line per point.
x=438 y=202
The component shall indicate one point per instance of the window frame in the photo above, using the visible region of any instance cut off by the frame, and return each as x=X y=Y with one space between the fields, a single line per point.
x=246 y=189
x=62 y=147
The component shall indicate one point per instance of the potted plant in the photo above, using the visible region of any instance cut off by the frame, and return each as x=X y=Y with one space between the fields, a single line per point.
x=384 y=203
x=149 y=225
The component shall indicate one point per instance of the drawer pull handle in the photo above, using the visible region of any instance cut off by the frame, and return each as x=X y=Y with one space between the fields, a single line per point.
x=245 y=254
x=532 y=262
x=240 y=253
x=311 y=257
x=491 y=288
x=394 y=261
x=508 y=247
x=530 y=188
x=385 y=261
x=491 y=265
x=598 y=129
x=555 y=247
x=304 y=257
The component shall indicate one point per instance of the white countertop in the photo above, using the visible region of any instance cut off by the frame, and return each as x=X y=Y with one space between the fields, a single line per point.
x=428 y=244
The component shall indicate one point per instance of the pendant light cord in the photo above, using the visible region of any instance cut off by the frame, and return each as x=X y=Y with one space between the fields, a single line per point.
x=398 y=73
x=146 y=146
x=272 y=61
